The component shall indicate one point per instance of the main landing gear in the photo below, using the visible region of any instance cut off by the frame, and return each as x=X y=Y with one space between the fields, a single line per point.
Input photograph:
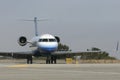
x=29 y=59
x=51 y=60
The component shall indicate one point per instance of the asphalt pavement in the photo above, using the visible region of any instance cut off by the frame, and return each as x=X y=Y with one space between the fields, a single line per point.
x=59 y=71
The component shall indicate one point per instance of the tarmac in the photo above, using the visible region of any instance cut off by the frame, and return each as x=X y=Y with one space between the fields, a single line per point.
x=13 y=71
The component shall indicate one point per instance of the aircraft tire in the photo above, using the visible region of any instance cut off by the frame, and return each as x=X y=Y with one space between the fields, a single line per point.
x=29 y=59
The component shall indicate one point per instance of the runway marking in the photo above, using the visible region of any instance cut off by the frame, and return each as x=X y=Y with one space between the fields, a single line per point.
x=23 y=65
x=18 y=66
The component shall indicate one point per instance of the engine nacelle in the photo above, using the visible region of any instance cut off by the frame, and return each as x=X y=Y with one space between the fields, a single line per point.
x=57 y=38
x=22 y=41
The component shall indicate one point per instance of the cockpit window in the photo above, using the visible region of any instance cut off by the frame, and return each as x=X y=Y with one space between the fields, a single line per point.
x=43 y=40
x=40 y=40
x=47 y=40
x=52 y=40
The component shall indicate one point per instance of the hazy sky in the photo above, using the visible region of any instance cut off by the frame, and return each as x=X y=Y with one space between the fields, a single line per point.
x=81 y=24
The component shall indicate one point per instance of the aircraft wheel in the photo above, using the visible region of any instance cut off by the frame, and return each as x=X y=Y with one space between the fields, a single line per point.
x=29 y=59
x=48 y=60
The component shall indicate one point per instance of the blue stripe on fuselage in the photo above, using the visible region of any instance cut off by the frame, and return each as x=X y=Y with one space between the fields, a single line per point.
x=48 y=49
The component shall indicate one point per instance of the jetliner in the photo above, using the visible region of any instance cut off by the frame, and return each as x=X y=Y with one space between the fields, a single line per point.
x=44 y=45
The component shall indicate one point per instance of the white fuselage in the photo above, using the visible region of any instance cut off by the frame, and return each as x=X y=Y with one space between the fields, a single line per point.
x=44 y=43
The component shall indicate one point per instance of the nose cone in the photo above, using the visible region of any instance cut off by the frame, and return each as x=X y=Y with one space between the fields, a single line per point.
x=48 y=47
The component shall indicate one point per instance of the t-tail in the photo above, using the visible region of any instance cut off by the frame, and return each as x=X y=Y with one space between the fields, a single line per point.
x=35 y=22
x=117 y=47
x=36 y=30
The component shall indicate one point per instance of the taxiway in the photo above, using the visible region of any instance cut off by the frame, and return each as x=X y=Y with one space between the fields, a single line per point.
x=60 y=72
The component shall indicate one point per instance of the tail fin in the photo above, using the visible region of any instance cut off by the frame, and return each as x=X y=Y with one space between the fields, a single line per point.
x=35 y=22
x=36 y=30
x=117 y=46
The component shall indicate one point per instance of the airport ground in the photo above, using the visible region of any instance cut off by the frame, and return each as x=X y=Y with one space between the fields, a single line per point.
x=18 y=70
x=59 y=61
x=59 y=71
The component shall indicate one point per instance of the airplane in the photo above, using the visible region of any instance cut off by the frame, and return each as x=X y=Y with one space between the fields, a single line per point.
x=44 y=45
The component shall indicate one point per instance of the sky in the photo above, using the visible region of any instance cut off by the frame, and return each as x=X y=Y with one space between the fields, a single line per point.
x=80 y=24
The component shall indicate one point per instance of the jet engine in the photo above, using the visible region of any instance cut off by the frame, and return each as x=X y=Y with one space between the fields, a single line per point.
x=22 y=41
x=57 y=38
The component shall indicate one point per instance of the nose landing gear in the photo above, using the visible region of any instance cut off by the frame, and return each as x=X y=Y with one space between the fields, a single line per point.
x=51 y=60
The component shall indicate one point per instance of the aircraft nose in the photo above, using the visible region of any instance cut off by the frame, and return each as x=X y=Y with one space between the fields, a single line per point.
x=48 y=47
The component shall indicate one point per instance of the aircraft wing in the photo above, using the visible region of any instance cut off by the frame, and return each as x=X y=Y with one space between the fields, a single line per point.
x=73 y=53
x=57 y=53
x=16 y=54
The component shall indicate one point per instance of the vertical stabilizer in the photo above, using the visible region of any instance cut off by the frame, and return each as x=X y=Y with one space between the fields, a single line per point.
x=36 y=30
x=35 y=22
x=117 y=46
